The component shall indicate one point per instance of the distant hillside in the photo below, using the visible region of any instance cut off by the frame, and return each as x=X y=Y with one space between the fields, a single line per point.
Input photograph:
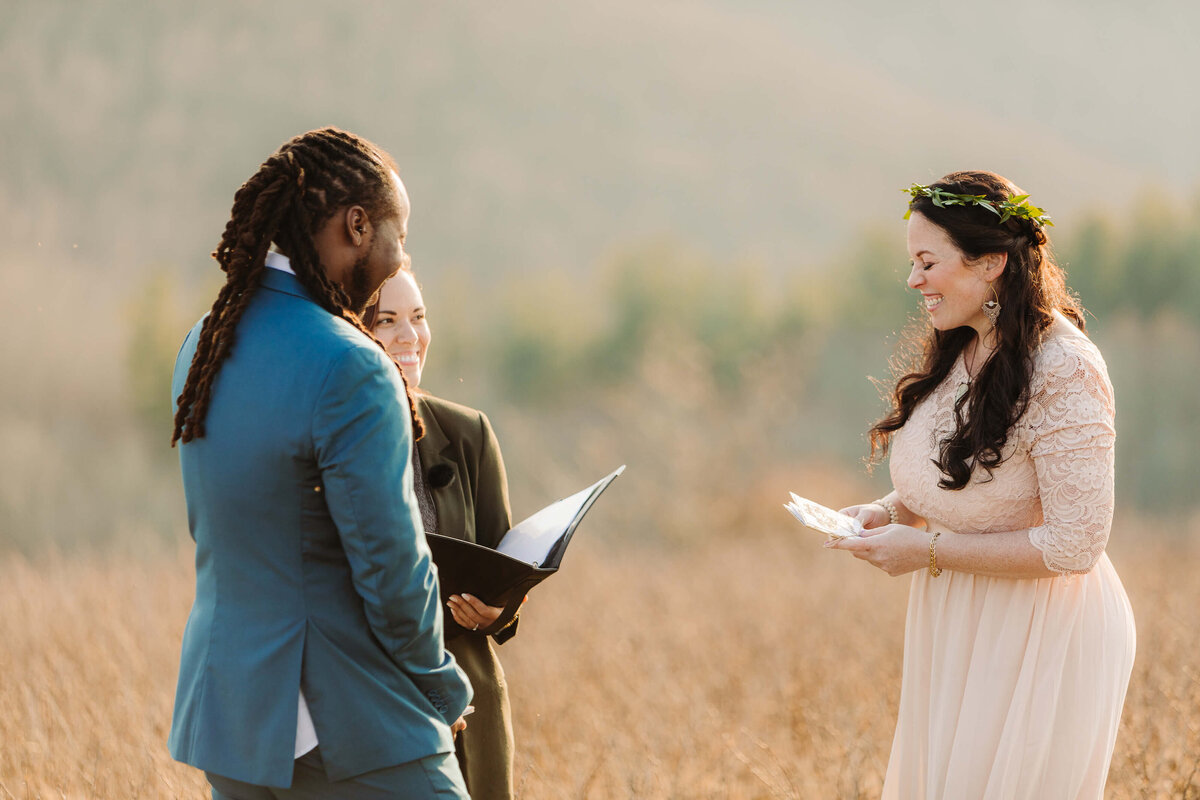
x=539 y=135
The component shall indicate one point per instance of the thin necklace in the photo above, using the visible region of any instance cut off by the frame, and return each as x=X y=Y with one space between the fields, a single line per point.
x=964 y=386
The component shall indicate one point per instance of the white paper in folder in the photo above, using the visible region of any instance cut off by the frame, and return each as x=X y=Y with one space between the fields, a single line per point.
x=532 y=539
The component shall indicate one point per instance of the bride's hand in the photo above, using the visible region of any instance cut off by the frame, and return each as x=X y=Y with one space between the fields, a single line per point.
x=871 y=515
x=895 y=549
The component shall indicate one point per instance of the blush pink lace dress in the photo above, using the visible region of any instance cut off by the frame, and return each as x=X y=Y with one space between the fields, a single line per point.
x=1013 y=688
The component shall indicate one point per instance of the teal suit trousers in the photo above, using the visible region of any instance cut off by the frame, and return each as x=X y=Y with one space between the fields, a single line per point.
x=424 y=779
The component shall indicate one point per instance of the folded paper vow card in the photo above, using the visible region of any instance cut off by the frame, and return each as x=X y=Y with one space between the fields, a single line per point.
x=820 y=518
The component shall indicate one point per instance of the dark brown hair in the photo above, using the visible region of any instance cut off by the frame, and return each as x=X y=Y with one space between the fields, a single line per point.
x=371 y=312
x=1030 y=289
x=293 y=194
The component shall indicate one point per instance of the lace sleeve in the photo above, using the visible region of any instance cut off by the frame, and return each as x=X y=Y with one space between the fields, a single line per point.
x=1070 y=419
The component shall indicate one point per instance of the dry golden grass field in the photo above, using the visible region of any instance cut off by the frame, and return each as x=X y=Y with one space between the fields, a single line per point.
x=758 y=668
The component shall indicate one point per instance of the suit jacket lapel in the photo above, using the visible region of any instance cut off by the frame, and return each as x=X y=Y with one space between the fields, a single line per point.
x=437 y=456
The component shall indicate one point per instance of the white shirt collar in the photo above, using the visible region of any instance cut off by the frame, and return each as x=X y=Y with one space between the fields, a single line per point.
x=277 y=260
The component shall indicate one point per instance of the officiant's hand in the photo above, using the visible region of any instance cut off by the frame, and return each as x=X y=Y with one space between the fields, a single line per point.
x=472 y=613
x=895 y=549
x=871 y=515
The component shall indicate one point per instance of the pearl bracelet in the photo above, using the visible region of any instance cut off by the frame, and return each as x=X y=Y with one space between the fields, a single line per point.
x=890 y=507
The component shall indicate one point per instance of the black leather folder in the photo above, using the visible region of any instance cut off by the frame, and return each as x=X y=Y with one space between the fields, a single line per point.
x=503 y=580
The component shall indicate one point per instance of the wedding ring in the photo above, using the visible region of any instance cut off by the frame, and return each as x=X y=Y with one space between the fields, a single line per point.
x=475 y=628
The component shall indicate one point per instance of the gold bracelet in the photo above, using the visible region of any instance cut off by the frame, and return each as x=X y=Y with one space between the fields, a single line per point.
x=890 y=507
x=933 y=567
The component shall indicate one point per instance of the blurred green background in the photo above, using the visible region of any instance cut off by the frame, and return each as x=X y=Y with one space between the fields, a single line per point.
x=665 y=234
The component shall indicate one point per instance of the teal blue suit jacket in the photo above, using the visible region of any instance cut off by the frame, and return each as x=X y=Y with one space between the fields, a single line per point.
x=311 y=564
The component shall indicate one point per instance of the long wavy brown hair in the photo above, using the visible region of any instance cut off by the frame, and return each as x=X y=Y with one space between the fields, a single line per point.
x=1030 y=289
x=291 y=196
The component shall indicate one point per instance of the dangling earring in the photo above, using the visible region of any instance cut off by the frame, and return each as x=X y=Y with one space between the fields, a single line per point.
x=991 y=309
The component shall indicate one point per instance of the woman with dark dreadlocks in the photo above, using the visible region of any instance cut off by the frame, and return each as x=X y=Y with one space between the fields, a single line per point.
x=312 y=662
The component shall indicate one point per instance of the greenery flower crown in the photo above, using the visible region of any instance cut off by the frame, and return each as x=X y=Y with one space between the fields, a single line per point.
x=1016 y=206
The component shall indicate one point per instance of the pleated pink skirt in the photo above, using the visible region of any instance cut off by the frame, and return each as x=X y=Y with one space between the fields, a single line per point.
x=1012 y=689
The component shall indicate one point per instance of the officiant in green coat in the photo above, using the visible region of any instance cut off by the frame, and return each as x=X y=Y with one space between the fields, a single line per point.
x=462 y=491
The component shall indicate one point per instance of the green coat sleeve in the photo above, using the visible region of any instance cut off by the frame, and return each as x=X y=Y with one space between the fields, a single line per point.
x=493 y=517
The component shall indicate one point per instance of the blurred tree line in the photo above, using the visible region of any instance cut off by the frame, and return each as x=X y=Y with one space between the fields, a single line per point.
x=757 y=371
x=1138 y=276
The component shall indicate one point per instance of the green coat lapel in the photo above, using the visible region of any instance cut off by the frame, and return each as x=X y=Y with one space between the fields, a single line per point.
x=449 y=497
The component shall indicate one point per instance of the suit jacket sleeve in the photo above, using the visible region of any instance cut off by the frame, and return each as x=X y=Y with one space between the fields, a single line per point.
x=363 y=442
x=493 y=516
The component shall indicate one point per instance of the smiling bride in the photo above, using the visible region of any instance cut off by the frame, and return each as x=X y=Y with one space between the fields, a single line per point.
x=1019 y=639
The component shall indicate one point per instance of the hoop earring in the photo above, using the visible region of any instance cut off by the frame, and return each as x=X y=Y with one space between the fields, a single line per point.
x=991 y=308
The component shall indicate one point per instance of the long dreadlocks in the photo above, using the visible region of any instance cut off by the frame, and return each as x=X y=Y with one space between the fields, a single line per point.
x=295 y=192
